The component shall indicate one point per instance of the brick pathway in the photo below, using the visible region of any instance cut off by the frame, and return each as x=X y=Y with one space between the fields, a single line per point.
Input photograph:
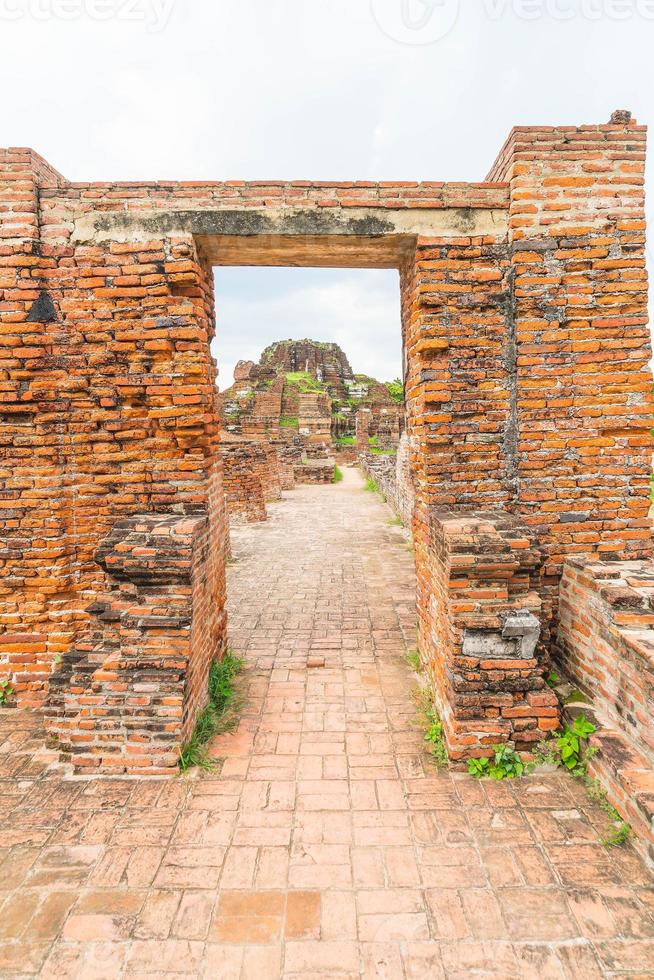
x=328 y=845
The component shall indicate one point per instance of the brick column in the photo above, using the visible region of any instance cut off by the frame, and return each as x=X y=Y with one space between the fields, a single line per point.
x=456 y=311
x=362 y=430
x=580 y=449
x=35 y=548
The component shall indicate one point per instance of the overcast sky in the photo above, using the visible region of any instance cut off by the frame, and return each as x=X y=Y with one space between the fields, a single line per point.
x=312 y=89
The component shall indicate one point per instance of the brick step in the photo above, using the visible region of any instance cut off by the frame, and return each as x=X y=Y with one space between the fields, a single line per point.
x=623 y=771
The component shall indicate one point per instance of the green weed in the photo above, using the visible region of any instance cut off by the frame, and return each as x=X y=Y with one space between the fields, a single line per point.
x=622 y=829
x=338 y=475
x=505 y=764
x=434 y=735
x=304 y=381
x=413 y=660
x=575 y=697
x=572 y=745
x=218 y=716
x=6 y=691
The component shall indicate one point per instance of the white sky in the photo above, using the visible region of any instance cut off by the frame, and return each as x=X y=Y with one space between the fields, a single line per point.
x=312 y=89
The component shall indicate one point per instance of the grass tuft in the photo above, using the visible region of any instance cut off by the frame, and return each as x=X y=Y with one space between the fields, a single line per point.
x=434 y=736
x=218 y=716
x=338 y=475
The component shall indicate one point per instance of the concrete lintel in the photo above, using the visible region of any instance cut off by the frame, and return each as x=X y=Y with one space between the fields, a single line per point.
x=290 y=235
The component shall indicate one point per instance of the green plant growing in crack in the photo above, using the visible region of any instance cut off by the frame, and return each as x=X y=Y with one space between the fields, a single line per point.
x=621 y=829
x=575 y=697
x=434 y=735
x=546 y=754
x=338 y=475
x=396 y=522
x=6 y=691
x=572 y=745
x=413 y=660
x=218 y=716
x=504 y=764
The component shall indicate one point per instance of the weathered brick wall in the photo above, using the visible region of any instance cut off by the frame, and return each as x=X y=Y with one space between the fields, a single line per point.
x=35 y=509
x=244 y=493
x=314 y=417
x=580 y=446
x=605 y=641
x=268 y=467
x=109 y=411
x=284 y=466
x=392 y=474
x=314 y=471
x=526 y=359
x=362 y=430
x=126 y=695
x=605 y=646
x=456 y=310
x=482 y=625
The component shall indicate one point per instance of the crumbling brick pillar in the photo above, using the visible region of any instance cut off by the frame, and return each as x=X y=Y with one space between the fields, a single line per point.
x=579 y=447
x=126 y=695
x=36 y=623
x=314 y=417
x=482 y=630
x=109 y=411
x=362 y=430
x=456 y=311
x=244 y=492
x=269 y=471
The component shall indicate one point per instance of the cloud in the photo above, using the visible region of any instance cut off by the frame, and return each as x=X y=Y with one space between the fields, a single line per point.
x=286 y=89
x=357 y=309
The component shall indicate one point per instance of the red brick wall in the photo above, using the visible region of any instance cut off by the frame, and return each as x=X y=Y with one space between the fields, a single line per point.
x=526 y=368
x=36 y=621
x=481 y=627
x=126 y=694
x=583 y=394
x=605 y=646
x=606 y=642
x=244 y=493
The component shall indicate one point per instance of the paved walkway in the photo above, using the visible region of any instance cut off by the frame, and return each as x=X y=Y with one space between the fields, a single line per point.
x=328 y=845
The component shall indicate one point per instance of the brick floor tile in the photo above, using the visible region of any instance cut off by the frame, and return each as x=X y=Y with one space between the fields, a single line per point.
x=193 y=915
x=339 y=920
x=156 y=916
x=302 y=915
x=156 y=956
x=222 y=960
x=447 y=915
x=327 y=843
x=381 y=961
x=331 y=958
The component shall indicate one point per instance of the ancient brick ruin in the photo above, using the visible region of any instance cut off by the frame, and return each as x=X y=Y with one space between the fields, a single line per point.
x=304 y=402
x=528 y=447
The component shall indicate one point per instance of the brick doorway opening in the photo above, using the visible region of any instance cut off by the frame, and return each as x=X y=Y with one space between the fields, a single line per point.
x=528 y=399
